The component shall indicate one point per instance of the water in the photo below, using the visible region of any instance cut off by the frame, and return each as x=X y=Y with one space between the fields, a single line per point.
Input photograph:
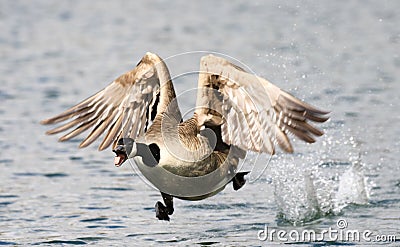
x=339 y=55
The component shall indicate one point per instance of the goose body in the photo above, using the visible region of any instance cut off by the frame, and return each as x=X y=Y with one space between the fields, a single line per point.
x=193 y=159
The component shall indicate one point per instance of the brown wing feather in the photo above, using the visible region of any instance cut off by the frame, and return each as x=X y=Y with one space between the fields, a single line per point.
x=118 y=109
x=257 y=114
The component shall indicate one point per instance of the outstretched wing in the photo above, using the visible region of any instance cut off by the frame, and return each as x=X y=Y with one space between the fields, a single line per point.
x=253 y=113
x=122 y=109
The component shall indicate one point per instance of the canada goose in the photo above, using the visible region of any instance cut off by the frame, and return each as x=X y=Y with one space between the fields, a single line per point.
x=235 y=112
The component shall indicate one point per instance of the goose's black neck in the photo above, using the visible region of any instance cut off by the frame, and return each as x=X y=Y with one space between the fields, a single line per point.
x=150 y=153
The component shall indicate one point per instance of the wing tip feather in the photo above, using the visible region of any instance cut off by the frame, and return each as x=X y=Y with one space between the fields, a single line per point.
x=50 y=132
x=84 y=144
x=44 y=122
x=63 y=139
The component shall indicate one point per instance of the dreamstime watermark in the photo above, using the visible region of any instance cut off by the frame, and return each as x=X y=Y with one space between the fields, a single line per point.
x=339 y=233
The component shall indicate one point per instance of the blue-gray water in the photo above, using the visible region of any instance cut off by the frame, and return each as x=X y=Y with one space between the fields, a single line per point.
x=339 y=55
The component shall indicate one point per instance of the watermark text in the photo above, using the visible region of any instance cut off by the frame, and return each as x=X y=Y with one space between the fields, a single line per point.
x=337 y=233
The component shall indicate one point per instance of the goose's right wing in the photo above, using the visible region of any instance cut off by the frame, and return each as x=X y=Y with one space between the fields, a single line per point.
x=254 y=114
x=122 y=109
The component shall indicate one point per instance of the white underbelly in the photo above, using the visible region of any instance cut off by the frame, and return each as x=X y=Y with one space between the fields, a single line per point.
x=181 y=178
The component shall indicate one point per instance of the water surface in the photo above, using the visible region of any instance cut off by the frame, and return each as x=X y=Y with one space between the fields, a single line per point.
x=338 y=55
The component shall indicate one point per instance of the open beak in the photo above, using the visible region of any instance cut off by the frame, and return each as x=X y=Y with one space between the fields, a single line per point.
x=120 y=155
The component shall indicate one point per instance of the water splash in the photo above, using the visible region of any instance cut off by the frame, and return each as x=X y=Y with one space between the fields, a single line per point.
x=353 y=187
x=303 y=195
x=310 y=186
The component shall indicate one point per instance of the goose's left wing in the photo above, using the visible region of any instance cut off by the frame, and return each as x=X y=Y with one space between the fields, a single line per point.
x=122 y=109
x=254 y=114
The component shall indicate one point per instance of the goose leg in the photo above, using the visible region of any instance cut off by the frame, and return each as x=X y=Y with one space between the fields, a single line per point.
x=162 y=211
x=238 y=180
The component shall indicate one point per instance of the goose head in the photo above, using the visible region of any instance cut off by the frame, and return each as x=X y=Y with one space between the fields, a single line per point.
x=126 y=148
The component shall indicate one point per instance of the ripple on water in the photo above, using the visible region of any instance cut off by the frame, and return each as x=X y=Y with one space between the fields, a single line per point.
x=386 y=202
x=349 y=99
x=75 y=158
x=93 y=226
x=206 y=206
x=6 y=203
x=27 y=174
x=51 y=93
x=8 y=243
x=207 y=243
x=216 y=230
x=55 y=175
x=48 y=175
x=351 y=114
x=5 y=96
x=99 y=222
x=92 y=239
x=94 y=219
x=332 y=91
x=9 y=196
x=6 y=161
x=171 y=240
x=115 y=226
x=61 y=242
x=95 y=208
x=111 y=188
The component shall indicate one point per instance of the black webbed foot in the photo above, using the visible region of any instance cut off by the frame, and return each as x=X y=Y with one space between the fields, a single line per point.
x=162 y=211
x=238 y=180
